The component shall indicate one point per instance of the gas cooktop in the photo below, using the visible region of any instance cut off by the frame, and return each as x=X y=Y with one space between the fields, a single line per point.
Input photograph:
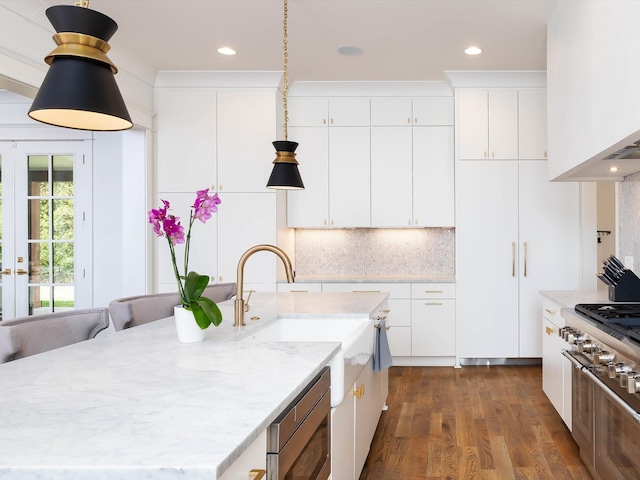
x=623 y=318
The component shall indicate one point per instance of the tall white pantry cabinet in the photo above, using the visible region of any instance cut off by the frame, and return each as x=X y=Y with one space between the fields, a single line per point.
x=516 y=233
x=218 y=138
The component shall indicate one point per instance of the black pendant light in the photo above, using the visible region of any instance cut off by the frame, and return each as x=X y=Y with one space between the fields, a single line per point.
x=285 y=174
x=79 y=90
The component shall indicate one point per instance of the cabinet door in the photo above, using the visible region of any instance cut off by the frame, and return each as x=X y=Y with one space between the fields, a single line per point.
x=433 y=328
x=549 y=224
x=245 y=220
x=243 y=115
x=503 y=124
x=391 y=111
x=349 y=176
x=186 y=139
x=310 y=207
x=342 y=439
x=473 y=123
x=308 y=111
x=391 y=174
x=349 y=112
x=399 y=341
x=433 y=177
x=433 y=111
x=368 y=410
x=552 y=344
x=486 y=259
x=532 y=124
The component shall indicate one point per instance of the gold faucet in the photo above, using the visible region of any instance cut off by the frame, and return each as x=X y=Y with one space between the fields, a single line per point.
x=239 y=305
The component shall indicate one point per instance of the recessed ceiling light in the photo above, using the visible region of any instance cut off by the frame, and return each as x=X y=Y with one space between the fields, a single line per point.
x=350 y=51
x=473 y=51
x=226 y=51
x=613 y=169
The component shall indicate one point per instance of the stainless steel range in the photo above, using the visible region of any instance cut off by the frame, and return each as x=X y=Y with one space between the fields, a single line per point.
x=603 y=343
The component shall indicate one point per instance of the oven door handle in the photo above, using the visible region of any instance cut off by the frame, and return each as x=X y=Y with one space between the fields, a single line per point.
x=612 y=395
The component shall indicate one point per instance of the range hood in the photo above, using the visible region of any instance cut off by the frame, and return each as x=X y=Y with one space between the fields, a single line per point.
x=631 y=152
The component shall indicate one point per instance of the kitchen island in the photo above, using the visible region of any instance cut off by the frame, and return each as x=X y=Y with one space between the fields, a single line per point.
x=138 y=404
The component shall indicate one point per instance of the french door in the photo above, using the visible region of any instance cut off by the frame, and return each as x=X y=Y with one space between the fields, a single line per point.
x=45 y=227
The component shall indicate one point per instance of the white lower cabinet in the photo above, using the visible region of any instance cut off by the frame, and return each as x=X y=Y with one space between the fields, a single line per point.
x=354 y=423
x=421 y=322
x=433 y=320
x=253 y=458
x=556 y=369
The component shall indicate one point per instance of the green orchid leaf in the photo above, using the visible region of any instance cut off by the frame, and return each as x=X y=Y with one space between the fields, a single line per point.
x=200 y=315
x=194 y=285
x=210 y=309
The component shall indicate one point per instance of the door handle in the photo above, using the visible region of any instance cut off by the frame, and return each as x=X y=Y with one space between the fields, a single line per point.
x=21 y=272
x=6 y=271
x=524 y=246
x=513 y=259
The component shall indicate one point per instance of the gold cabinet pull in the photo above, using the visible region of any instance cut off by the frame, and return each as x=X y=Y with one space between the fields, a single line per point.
x=324 y=121
x=551 y=312
x=433 y=303
x=409 y=120
x=484 y=154
x=548 y=330
x=513 y=259
x=21 y=272
x=6 y=271
x=545 y=154
x=358 y=392
x=524 y=247
x=433 y=291
x=332 y=121
x=256 y=473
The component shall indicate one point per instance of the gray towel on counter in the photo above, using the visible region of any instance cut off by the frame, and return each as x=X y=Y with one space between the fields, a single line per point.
x=381 y=353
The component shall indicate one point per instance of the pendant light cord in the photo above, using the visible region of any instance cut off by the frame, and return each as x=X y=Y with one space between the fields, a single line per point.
x=285 y=76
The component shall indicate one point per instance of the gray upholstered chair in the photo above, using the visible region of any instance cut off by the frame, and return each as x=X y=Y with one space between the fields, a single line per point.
x=25 y=336
x=132 y=311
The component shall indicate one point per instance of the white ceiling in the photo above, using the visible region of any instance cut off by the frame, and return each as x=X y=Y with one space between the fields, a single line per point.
x=401 y=39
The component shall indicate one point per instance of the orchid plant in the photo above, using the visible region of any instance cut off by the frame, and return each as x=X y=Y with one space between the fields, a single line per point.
x=191 y=285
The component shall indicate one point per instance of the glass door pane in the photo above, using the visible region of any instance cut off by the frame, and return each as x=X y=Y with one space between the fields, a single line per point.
x=51 y=233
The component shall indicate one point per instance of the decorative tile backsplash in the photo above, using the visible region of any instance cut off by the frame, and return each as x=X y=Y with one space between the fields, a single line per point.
x=629 y=219
x=375 y=251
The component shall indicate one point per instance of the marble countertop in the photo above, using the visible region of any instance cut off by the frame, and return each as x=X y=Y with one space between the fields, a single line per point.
x=570 y=298
x=138 y=404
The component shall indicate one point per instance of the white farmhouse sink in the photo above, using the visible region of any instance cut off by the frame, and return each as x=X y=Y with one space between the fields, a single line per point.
x=356 y=336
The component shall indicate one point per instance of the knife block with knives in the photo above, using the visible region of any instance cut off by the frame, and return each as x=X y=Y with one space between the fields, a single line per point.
x=624 y=285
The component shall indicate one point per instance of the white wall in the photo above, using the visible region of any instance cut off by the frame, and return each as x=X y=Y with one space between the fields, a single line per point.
x=593 y=92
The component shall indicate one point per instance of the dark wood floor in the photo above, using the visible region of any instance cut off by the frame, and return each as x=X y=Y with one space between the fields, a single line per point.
x=476 y=422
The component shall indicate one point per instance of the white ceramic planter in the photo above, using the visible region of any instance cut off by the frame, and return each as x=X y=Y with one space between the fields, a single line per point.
x=186 y=326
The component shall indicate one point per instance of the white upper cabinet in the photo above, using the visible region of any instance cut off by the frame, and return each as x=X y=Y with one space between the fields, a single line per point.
x=433 y=177
x=323 y=111
x=412 y=176
x=391 y=177
x=433 y=111
x=245 y=131
x=309 y=208
x=532 y=124
x=391 y=111
x=186 y=139
x=488 y=124
x=402 y=111
x=373 y=162
x=350 y=177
